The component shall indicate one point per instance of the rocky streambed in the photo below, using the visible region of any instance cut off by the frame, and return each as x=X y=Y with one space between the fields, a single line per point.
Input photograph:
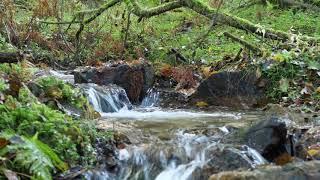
x=161 y=134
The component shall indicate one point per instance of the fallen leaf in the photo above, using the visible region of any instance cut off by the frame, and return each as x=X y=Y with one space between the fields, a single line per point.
x=284 y=85
x=314 y=152
x=283 y=159
x=166 y=70
x=202 y=104
x=258 y=73
x=305 y=91
x=3 y=142
x=207 y=71
x=318 y=90
x=10 y=174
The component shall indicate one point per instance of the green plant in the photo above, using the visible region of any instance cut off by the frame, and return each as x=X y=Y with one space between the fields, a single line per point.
x=31 y=155
x=57 y=89
x=58 y=136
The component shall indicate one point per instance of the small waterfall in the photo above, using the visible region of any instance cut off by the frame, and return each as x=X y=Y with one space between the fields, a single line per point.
x=151 y=99
x=186 y=154
x=106 y=99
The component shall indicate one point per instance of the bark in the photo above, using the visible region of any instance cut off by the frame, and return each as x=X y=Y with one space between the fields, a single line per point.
x=9 y=57
x=146 y=13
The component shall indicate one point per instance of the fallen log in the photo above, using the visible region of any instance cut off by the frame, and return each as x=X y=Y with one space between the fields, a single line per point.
x=220 y=17
x=9 y=57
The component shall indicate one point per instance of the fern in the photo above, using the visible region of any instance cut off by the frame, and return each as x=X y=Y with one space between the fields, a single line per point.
x=50 y=153
x=34 y=156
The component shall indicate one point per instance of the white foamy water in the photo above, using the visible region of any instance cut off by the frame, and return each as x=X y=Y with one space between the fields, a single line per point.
x=167 y=114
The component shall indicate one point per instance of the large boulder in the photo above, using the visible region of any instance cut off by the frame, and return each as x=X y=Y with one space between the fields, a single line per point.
x=135 y=79
x=231 y=89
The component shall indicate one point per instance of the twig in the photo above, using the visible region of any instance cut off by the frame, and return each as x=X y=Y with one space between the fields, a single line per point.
x=179 y=56
x=126 y=34
x=243 y=42
x=64 y=22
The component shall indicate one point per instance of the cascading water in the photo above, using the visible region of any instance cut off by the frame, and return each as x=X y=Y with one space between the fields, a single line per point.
x=110 y=98
x=151 y=99
x=182 y=156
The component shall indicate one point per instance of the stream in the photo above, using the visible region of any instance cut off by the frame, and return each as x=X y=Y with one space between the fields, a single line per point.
x=168 y=144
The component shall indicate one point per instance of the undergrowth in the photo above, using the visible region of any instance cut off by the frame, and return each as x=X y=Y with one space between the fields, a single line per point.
x=38 y=141
x=294 y=79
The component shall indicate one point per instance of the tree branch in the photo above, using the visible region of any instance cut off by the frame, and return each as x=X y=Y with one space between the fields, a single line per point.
x=64 y=22
x=146 y=13
x=101 y=10
x=239 y=23
x=243 y=42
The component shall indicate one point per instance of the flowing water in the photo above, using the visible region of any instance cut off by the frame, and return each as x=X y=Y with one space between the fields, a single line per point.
x=168 y=144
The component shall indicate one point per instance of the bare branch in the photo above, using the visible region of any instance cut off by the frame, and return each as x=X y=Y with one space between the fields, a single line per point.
x=243 y=42
x=154 y=11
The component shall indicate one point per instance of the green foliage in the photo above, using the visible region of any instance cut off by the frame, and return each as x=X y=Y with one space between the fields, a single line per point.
x=17 y=72
x=57 y=89
x=4 y=46
x=3 y=85
x=294 y=77
x=279 y=76
x=58 y=137
x=32 y=155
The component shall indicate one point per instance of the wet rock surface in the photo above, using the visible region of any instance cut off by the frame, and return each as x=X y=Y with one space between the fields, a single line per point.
x=299 y=171
x=230 y=89
x=171 y=98
x=268 y=137
x=135 y=79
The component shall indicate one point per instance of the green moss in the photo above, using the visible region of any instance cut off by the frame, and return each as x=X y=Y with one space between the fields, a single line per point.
x=57 y=89
x=24 y=116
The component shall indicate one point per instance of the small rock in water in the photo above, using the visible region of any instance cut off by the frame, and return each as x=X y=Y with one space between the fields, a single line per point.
x=269 y=137
x=123 y=155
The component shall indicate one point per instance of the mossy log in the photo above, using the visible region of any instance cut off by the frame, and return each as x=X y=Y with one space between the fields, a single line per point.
x=220 y=17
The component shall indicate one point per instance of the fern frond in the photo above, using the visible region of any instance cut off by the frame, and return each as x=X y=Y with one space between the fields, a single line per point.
x=34 y=156
x=57 y=162
x=31 y=158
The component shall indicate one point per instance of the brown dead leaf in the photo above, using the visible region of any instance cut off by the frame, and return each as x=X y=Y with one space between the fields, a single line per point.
x=3 y=142
x=54 y=92
x=166 y=70
x=283 y=159
x=208 y=71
